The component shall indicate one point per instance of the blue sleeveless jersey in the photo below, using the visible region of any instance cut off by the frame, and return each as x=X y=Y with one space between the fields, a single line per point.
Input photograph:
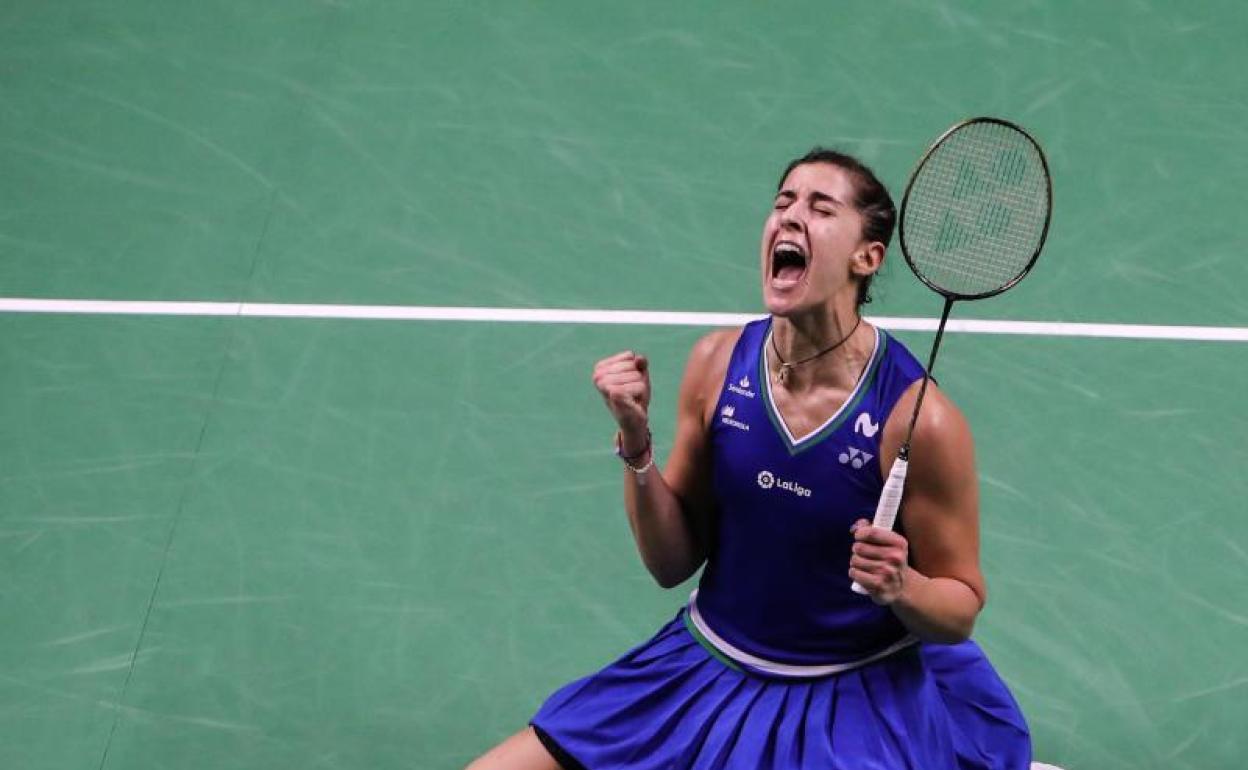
x=776 y=583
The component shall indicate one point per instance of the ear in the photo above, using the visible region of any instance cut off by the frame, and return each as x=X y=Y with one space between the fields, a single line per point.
x=868 y=259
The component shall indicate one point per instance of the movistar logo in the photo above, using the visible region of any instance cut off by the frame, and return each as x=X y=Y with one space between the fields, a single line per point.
x=864 y=425
x=768 y=480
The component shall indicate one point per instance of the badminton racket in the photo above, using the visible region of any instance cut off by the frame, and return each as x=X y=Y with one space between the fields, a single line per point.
x=973 y=221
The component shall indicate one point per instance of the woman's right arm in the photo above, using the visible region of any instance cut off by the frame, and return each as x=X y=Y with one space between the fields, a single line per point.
x=670 y=512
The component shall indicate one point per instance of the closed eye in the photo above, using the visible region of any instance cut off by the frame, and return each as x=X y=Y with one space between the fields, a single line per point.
x=824 y=203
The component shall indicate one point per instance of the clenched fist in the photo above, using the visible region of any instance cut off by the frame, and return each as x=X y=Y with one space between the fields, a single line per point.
x=624 y=382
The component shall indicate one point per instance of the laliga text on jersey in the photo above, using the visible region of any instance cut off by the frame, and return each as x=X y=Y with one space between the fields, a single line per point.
x=768 y=480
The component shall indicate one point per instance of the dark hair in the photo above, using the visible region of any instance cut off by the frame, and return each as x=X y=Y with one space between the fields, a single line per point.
x=871 y=199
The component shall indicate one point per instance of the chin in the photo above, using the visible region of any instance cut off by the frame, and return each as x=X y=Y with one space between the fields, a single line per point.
x=779 y=309
x=784 y=306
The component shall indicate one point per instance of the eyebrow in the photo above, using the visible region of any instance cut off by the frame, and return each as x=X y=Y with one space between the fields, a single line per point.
x=819 y=196
x=816 y=196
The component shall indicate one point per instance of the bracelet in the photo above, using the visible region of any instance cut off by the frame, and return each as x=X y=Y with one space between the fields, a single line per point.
x=638 y=471
x=619 y=448
x=642 y=470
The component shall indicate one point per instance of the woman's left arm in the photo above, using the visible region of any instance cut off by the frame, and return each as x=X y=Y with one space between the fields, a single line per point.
x=931 y=576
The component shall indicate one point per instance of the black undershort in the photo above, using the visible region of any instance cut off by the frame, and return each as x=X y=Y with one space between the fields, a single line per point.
x=565 y=760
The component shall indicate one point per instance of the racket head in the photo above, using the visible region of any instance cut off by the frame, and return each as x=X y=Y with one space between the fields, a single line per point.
x=976 y=210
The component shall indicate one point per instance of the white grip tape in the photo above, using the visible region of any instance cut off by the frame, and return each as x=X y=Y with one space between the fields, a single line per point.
x=890 y=501
x=890 y=497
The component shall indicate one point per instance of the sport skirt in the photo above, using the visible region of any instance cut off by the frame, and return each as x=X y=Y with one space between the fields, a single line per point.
x=671 y=704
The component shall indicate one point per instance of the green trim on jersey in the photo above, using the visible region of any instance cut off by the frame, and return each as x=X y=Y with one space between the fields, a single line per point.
x=848 y=408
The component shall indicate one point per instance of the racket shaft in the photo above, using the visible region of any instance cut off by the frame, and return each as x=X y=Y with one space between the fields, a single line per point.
x=890 y=501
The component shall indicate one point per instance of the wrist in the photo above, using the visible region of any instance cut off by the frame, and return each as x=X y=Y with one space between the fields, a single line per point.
x=639 y=461
x=911 y=582
x=632 y=443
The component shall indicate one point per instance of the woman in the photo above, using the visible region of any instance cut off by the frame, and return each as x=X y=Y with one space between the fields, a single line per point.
x=786 y=429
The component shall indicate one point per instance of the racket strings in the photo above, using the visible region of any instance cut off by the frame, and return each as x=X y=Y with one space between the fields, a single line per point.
x=977 y=210
x=989 y=239
x=981 y=242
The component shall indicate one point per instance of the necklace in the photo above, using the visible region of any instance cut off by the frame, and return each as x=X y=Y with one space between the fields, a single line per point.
x=782 y=376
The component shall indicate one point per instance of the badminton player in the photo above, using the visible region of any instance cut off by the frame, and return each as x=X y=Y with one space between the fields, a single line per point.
x=786 y=429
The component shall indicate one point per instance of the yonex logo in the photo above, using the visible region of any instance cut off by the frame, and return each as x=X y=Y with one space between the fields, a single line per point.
x=768 y=480
x=855 y=457
x=741 y=387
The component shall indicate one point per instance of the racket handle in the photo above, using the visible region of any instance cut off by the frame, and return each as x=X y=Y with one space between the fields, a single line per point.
x=890 y=501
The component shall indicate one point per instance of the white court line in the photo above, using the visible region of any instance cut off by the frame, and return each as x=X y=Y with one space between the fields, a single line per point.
x=576 y=316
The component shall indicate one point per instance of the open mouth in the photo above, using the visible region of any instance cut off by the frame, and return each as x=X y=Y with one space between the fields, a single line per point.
x=788 y=263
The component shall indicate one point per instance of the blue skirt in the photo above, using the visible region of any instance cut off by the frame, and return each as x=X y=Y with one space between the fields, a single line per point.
x=671 y=704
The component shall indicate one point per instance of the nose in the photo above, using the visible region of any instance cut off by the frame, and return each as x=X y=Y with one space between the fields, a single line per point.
x=790 y=220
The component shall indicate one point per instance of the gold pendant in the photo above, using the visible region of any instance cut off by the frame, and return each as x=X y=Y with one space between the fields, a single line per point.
x=782 y=376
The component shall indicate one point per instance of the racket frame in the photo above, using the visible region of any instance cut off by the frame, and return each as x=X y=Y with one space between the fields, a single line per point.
x=918 y=169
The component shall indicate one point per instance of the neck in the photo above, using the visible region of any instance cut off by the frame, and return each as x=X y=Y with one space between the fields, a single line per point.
x=799 y=337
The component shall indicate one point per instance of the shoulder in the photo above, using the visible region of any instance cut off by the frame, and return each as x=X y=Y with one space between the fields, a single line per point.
x=715 y=347
x=942 y=435
x=940 y=418
x=707 y=366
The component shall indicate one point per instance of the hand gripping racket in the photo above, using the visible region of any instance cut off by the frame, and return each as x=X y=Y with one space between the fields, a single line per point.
x=973 y=220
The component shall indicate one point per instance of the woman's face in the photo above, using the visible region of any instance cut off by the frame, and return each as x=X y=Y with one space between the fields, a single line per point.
x=811 y=240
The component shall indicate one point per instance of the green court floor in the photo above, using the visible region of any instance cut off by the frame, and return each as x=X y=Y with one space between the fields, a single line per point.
x=270 y=543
